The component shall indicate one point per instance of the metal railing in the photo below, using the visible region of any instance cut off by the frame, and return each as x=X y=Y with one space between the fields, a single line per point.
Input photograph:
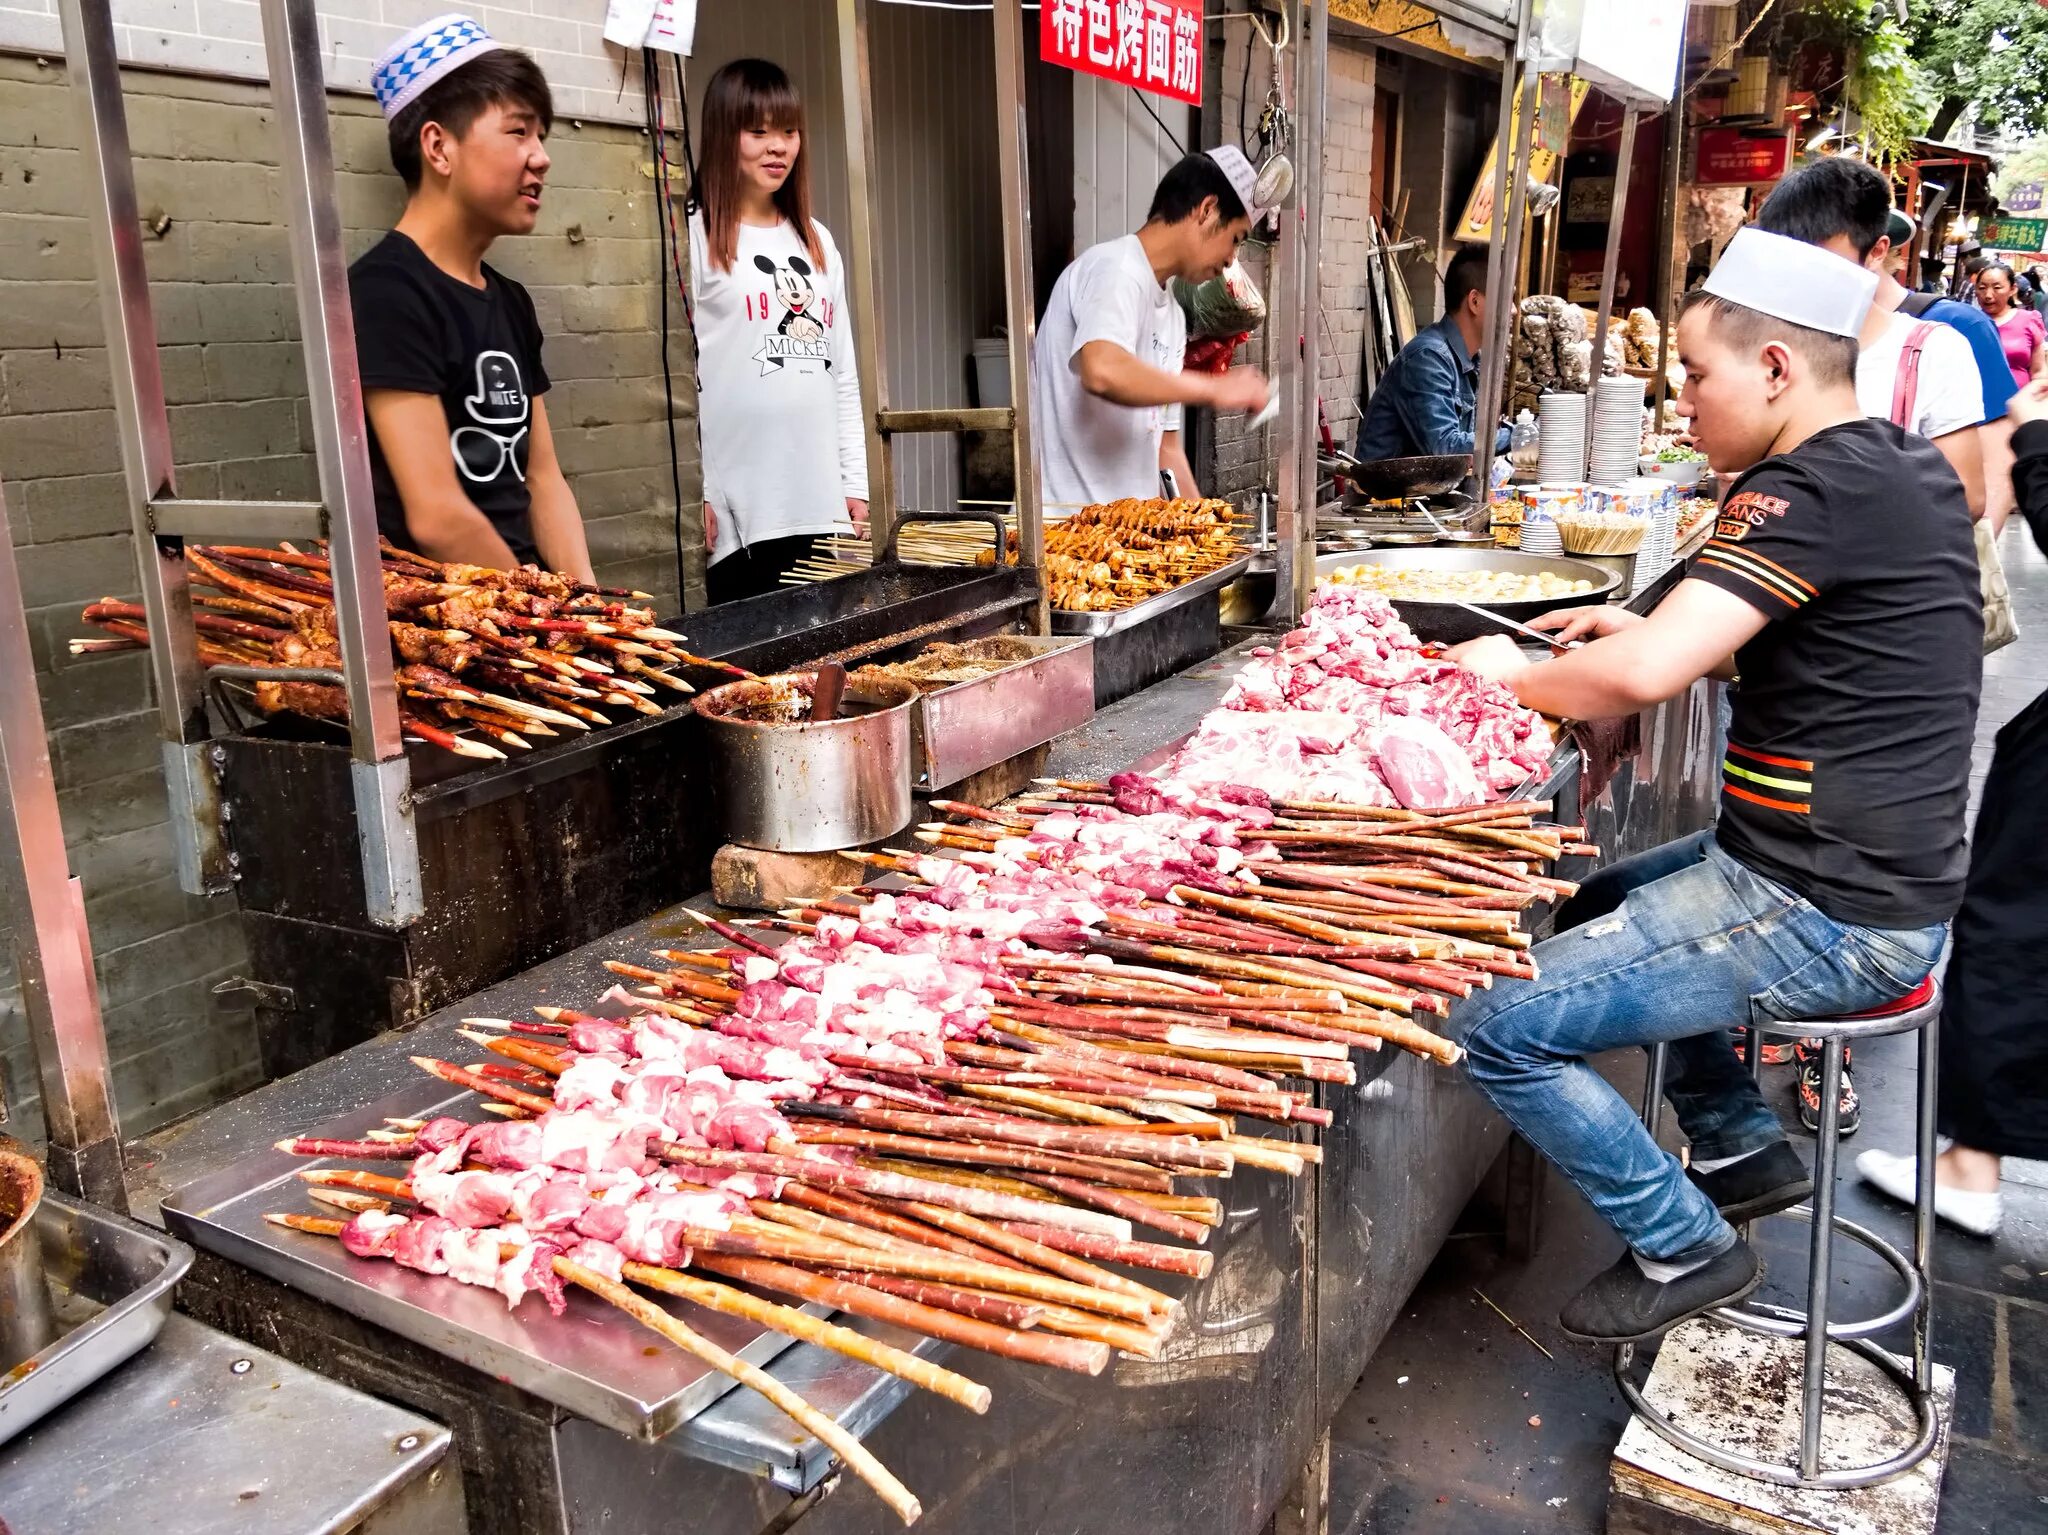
x=345 y=515
x=884 y=422
x=53 y=954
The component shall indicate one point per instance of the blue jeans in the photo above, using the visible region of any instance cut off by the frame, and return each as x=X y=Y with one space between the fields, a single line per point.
x=1673 y=945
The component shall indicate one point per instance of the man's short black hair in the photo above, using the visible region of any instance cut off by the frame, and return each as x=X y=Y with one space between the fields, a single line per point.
x=1465 y=276
x=502 y=77
x=1829 y=198
x=1832 y=357
x=1182 y=189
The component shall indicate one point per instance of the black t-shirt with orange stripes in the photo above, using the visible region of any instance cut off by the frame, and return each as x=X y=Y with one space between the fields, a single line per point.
x=1848 y=764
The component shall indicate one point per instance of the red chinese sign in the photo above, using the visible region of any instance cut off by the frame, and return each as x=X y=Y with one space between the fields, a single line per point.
x=1730 y=157
x=1155 y=45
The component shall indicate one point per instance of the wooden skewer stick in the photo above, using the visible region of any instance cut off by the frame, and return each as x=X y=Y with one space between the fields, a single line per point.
x=379 y=1191
x=849 y=1449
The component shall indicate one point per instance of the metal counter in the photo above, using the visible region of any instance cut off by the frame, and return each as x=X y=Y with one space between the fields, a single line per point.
x=203 y=1435
x=1309 y=1275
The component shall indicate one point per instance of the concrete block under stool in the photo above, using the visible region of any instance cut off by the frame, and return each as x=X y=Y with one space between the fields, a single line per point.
x=1741 y=1390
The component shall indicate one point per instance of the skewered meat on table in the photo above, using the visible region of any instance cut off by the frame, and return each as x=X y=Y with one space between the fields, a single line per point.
x=499 y=654
x=947 y=1107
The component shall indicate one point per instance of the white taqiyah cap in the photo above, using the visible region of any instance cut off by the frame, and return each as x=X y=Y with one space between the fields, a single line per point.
x=1243 y=179
x=427 y=53
x=1793 y=281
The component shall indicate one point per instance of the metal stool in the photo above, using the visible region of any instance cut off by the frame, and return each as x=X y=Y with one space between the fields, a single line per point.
x=1920 y=1011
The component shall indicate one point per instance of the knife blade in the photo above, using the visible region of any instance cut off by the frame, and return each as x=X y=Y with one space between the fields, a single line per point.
x=1508 y=623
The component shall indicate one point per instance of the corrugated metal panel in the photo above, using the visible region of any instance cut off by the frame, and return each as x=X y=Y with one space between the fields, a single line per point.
x=798 y=35
x=940 y=227
x=1119 y=155
x=936 y=179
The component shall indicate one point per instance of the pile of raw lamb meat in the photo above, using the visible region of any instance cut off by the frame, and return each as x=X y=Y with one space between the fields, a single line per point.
x=1349 y=710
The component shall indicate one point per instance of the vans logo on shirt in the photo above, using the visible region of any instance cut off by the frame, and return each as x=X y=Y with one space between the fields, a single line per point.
x=800 y=335
x=1748 y=510
x=499 y=401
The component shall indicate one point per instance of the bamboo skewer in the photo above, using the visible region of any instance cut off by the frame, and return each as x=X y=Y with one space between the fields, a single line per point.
x=857 y=1457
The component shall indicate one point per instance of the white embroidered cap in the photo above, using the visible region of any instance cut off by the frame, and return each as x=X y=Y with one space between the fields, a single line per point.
x=1793 y=281
x=428 y=52
x=1243 y=179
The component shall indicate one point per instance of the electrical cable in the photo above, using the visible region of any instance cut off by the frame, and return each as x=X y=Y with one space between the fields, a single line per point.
x=664 y=234
x=1172 y=137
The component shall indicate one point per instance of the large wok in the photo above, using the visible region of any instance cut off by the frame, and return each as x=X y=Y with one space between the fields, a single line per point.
x=1447 y=623
x=1383 y=479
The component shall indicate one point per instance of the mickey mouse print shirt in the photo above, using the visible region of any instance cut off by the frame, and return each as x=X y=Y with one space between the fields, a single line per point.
x=779 y=398
x=478 y=350
x=1848 y=761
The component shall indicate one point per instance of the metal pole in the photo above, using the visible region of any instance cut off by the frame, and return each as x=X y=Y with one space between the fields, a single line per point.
x=1610 y=263
x=1294 y=512
x=1312 y=66
x=1924 y=1152
x=379 y=772
x=145 y=434
x=1667 y=254
x=1500 y=263
x=53 y=952
x=1820 y=1274
x=1012 y=135
x=856 y=94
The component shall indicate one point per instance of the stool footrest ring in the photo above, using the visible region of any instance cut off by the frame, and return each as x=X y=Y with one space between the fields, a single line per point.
x=1784 y=1322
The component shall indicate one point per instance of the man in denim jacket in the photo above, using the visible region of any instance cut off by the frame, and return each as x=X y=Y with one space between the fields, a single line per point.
x=1425 y=402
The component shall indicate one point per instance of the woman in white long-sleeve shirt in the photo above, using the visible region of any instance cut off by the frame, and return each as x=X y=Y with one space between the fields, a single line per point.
x=785 y=456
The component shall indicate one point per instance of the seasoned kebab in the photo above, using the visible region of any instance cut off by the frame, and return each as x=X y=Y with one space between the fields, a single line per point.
x=498 y=654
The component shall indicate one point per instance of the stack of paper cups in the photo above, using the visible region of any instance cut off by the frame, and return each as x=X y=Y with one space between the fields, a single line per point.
x=1617 y=429
x=1545 y=504
x=1660 y=543
x=1561 y=443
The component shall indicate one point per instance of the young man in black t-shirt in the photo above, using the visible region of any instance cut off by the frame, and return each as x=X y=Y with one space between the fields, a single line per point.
x=450 y=349
x=1841 y=589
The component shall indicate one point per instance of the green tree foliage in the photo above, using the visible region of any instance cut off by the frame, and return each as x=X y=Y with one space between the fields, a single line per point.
x=1990 y=54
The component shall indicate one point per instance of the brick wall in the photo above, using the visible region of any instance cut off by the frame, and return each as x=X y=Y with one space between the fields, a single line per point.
x=226 y=326
x=225 y=38
x=1347 y=204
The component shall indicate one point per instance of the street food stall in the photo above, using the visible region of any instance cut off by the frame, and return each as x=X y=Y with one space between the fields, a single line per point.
x=1057 y=1158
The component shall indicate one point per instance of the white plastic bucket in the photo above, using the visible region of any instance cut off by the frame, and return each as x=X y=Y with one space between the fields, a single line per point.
x=992 y=371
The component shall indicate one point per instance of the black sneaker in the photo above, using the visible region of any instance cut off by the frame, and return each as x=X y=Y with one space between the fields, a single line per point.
x=1625 y=1305
x=1772 y=1180
x=1849 y=1116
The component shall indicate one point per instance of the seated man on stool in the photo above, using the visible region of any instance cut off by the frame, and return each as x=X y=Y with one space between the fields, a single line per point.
x=1841 y=588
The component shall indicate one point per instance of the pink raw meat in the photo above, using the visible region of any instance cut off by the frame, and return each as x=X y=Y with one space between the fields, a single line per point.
x=1423 y=766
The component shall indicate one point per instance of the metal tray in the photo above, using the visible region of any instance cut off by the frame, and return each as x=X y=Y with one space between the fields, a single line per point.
x=114 y=1273
x=1447 y=623
x=961 y=729
x=590 y=1360
x=1099 y=624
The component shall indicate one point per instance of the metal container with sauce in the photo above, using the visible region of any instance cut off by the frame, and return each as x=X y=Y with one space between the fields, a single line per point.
x=792 y=784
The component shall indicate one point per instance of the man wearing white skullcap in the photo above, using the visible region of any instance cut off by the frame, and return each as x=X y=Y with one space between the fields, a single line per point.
x=461 y=456
x=1108 y=386
x=1841 y=588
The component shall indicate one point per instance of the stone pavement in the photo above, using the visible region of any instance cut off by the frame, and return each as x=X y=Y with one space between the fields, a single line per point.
x=1462 y=1426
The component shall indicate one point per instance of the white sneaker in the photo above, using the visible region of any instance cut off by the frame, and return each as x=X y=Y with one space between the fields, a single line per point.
x=1889 y=1173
